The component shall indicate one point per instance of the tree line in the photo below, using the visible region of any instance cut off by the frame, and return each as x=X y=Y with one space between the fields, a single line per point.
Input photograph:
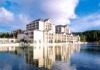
x=6 y=35
x=89 y=36
x=10 y=34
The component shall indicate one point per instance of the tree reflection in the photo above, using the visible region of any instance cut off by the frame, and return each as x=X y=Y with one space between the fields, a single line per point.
x=93 y=49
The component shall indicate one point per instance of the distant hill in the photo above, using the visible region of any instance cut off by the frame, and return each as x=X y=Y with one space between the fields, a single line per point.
x=89 y=36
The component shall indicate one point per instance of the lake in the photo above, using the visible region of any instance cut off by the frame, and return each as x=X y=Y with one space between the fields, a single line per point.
x=52 y=57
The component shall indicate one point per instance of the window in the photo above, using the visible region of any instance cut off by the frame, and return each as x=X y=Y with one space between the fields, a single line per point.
x=39 y=47
x=49 y=37
x=31 y=32
x=46 y=33
x=46 y=25
x=39 y=41
x=50 y=50
x=34 y=41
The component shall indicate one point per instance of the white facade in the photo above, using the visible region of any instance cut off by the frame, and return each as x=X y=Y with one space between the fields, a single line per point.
x=43 y=31
x=53 y=28
x=49 y=36
x=62 y=29
x=7 y=40
x=38 y=36
x=41 y=25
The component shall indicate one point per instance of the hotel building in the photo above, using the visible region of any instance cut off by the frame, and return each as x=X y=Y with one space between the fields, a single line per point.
x=40 y=31
x=43 y=31
x=62 y=28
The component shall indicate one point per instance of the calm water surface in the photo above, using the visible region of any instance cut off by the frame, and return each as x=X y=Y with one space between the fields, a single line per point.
x=87 y=59
x=63 y=57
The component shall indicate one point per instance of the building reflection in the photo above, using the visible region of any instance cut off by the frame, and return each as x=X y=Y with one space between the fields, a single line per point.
x=46 y=56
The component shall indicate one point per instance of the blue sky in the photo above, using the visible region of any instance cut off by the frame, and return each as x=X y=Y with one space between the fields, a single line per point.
x=80 y=15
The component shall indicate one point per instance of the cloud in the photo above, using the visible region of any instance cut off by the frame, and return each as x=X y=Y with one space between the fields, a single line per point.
x=24 y=18
x=5 y=15
x=22 y=11
x=89 y=22
x=12 y=21
x=60 y=11
x=21 y=21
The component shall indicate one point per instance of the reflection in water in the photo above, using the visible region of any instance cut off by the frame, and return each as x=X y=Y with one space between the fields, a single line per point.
x=87 y=59
x=48 y=56
x=93 y=49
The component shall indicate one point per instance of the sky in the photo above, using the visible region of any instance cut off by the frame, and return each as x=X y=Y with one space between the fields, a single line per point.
x=80 y=15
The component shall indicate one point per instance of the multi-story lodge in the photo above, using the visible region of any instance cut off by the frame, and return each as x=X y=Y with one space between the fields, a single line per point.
x=43 y=31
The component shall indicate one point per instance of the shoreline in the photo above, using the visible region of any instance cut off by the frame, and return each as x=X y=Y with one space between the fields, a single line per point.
x=13 y=46
x=32 y=44
x=89 y=42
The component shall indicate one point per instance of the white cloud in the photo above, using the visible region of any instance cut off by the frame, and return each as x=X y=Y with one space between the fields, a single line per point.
x=89 y=22
x=60 y=11
x=5 y=15
x=21 y=22
x=24 y=18
x=13 y=21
